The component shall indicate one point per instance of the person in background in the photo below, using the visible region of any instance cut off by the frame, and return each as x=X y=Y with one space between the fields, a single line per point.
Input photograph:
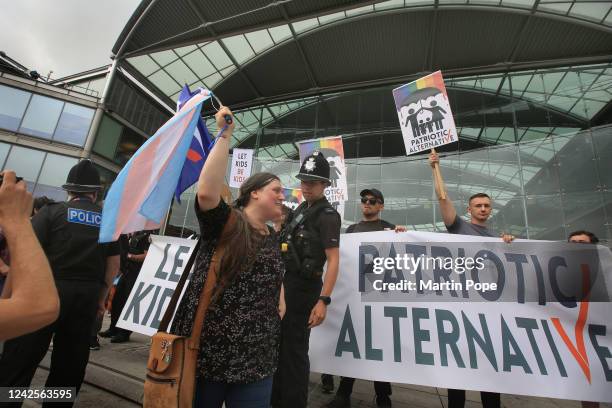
x=239 y=340
x=584 y=237
x=83 y=270
x=280 y=223
x=479 y=208
x=372 y=204
x=134 y=248
x=40 y=202
x=29 y=298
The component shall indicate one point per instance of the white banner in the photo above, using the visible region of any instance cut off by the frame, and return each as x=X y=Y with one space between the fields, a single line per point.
x=242 y=160
x=525 y=336
x=537 y=346
x=160 y=272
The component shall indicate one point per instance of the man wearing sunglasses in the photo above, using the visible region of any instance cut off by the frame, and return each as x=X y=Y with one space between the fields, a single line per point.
x=372 y=203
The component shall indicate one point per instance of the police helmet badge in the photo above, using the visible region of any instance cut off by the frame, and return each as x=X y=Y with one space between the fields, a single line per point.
x=315 y=167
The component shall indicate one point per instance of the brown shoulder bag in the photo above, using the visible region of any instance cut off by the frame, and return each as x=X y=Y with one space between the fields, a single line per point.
x=171 y=368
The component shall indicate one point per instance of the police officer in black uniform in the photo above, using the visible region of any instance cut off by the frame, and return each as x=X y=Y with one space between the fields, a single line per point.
x=310 y=239
x=133 y=252
x=83 y=270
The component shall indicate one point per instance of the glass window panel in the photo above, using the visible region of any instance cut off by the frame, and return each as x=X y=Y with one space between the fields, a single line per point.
x=333 y=17
x=165 y=82
x=4 y=149
x=55 y=169
x=260 y=40
x=130 y=142
x=216 y=55
x=584 y=211
x=25 y=162
x=239 y=47
x=54 y=193
x=73 y=125
x=107 y=137
x=280 y=33
x=519 y=3
x=301 y=26
x=13 y=103
x=212 y=80
x=181 y=73
x=185 y=50
x=227 y=71
x=41 y=117
x=592 y=107
x=389 y=4
x=551 y=81
x=560 y=8
x=485 y=2
x=591 y=11
x=575 y=158
x=359 y=10
x=519 y=83
x=199 y=64
x=163 y=58
x=603 y=150
x=562 y=102
x=144 y=64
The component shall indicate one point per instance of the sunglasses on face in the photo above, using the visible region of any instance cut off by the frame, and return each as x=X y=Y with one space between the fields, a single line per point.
x=371 y=201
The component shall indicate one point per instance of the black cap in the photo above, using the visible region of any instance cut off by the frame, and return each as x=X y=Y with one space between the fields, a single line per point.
x=314 y=168
x=373 y=192
x=83 y=178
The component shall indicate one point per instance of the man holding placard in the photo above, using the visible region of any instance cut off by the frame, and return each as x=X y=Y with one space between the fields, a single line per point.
x=479 y=208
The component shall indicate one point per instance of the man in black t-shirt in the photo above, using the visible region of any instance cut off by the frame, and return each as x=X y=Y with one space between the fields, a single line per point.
x=372 y=203
x=83 y=270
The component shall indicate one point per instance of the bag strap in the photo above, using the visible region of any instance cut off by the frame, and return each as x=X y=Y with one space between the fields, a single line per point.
x=171 y=309
x=209 y=286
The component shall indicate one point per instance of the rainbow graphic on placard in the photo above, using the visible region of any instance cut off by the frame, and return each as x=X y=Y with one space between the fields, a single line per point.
x=293 y=194
x=434 y=80
x=293 y=197
x=333 y=143
x=425 y=114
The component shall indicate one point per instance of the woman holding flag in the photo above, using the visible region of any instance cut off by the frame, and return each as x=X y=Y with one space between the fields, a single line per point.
x=239 y=341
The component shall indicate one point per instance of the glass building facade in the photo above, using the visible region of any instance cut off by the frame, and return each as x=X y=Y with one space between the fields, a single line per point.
x=525 y=138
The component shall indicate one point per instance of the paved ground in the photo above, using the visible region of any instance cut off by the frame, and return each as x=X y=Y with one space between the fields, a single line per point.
x=115 y=376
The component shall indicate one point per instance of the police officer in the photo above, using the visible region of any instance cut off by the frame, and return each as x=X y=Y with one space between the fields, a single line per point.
x=133 y=252
x=83 y=270
x=309 y=240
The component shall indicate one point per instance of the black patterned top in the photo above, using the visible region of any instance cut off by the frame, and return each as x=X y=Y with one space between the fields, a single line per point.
x=241 y=334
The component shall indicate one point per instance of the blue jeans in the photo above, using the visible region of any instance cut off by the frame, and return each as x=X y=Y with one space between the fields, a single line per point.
x=212 y=394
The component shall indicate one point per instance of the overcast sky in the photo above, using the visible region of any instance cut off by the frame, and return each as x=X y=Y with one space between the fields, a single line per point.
x=65 y=36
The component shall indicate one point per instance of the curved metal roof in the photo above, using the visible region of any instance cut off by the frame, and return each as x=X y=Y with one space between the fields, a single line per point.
x=252 y=52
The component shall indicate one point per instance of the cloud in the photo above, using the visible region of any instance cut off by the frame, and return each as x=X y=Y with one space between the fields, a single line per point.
x=65 y=36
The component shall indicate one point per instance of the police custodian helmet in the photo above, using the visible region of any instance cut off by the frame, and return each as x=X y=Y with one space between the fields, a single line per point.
x=314 y=168
x=83 y=178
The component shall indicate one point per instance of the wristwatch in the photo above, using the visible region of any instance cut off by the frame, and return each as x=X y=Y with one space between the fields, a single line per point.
x=325 y=299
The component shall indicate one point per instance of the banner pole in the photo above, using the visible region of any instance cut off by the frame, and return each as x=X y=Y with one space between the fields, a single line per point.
x=440 y=188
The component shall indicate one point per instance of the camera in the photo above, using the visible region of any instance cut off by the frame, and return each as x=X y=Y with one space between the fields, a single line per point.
x=18 y=179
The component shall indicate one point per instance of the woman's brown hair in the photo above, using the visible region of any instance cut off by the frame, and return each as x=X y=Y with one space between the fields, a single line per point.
x=245 y=241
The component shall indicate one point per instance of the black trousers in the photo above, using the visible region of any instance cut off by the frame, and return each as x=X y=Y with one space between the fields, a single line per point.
x=456 y=399
x=346 y=387
x=70 y=332
x=290 y=388
x=122 y=293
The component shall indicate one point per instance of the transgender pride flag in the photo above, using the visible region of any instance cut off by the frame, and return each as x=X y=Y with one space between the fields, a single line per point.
x=141 y=194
